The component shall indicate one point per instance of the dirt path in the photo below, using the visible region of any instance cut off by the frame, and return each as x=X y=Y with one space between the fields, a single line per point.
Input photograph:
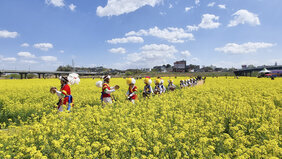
x=200 y=83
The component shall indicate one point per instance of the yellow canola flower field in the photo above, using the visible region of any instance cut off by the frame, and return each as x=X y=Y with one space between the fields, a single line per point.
x=224 y=118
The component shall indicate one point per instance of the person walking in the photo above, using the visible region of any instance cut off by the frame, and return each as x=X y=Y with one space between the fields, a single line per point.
x=106 y=97
x=171 y=86
x=132 y=90
x=65 y=97
x=158 y=89
x=147 y=88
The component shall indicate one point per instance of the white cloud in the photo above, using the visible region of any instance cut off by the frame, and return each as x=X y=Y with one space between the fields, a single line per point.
x=162 y=13
x=244 y=17
x=130 y=39
x=119 y=50
x=250 y=47
x=194 y=60
x=222 y=6
x=192 y=28
x=72 y=7
x=61 y=51
x=173 y=35
x=197 y=2
x=209 y=21
x=211 y=4
x=170 y=5
x=186 y=53
x=43 y=46
x=26 y=54
x=29 y=61
x=160 y=47
x=7 y=34
x=151 y=55
x=48 y=58
x=56 y=3
x=8 y=59
x=188 y=8
x=25 y=45
x=118 y=7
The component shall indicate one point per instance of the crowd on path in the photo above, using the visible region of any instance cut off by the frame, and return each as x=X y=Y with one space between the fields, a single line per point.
x=65 y=97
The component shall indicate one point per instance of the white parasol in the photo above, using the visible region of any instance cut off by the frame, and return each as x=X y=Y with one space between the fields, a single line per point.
x=264 y=71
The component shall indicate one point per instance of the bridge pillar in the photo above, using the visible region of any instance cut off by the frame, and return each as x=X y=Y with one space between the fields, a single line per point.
x=21 y=75
x=43 y=75
x=25 y=76
x=39 y=75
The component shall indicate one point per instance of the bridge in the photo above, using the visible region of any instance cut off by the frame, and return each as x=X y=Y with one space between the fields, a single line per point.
x=42 y=74
x=246 y=72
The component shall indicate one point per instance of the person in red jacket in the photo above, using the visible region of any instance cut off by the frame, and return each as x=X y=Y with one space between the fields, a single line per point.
x=107 y=90
x=65 y=97
x=132 y=90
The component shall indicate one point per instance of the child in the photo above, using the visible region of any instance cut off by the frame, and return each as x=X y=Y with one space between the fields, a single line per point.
x=132 y=90
x=147 y=88
x=171 y=86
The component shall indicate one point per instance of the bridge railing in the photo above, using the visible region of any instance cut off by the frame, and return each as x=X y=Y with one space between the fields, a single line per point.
x=40 y=74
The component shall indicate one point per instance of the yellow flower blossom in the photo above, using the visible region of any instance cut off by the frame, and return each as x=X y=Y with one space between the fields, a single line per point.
x=224 y=118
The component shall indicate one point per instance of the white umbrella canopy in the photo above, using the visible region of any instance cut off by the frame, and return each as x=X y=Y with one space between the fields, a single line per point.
x=264 y=71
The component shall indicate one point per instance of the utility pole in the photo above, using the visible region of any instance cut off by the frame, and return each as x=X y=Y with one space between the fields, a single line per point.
x=73 y=68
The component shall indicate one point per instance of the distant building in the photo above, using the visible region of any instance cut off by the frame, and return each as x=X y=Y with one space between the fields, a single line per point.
x=244 y=66
x=163 y=69
x=145 y=69
x=179 y=66
x=192 y=68
x=170 y=69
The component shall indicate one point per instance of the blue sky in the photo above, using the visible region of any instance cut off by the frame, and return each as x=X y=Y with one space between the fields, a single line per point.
x=43 y=34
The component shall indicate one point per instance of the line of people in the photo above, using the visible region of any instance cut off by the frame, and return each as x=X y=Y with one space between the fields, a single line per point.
x=188 y=83
x=107 y=98
x=65 y=97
